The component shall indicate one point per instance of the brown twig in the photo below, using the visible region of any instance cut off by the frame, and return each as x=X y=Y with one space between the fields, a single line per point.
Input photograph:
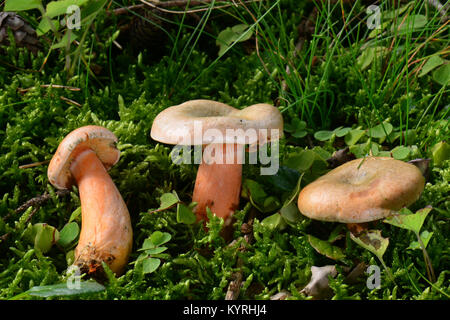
x=34 y=164
x=70 y=101
x=36 y=202
x=56 y=86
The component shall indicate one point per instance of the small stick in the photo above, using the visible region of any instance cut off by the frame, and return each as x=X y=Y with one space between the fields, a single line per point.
x=35 y=164
x=37 y=202
x=56 y=86
x=70 y=101
x=117 y=45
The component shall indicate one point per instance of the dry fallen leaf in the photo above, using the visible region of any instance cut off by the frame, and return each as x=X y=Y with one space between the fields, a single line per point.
x=318 y=285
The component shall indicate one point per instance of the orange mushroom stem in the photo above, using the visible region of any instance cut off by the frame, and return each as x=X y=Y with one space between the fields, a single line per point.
x=106 y=233
x=83 y=158
x=218 y=185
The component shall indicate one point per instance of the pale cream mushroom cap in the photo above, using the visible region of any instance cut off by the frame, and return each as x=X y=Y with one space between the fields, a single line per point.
x=197 y=122
x=362 y=190
x=98 y=139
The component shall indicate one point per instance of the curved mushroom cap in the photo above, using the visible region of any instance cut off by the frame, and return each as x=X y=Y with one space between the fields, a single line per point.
x=358 y=192
x=99 y=139
x=198 y=122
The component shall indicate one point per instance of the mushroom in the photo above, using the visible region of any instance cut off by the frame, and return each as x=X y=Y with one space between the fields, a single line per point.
x=362 y=190
x=83 y=158
x=222 y=131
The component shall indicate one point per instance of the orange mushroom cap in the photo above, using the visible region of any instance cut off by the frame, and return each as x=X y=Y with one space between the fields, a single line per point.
x=362 y=190
x=100 y=140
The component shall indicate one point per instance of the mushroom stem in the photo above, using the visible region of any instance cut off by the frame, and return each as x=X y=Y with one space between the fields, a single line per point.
x=218 y=184
x=106 y=233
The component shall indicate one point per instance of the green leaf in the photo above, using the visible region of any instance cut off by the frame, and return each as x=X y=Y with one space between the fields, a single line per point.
x=148 y=244
x=336 y=234
x=400 y=152
x=271 y=203
x=158 y=238
x=326 y=249
x=21 y=5
x=411 y=222
x=273 y=221
x=284 y=180
x=68 y=234
x=185 y=215
x=46 y=236
x=374 y=147
x=442 y=74
x=404 y=211
x=297 y=128
x=432 y=63
x=353 y=136
x=301 y=161
x=300 y=133
x=291 y=213
x=255 y=193
x=241 y=28
x=75 y=214
x=384 y=154
x=342 y=132
x=359 y=150
x=440 y=152
x=227 y=37
x=373 y=241
x=68 y=37
x=70 y=257
x=425 y=236
x=366 y=58
x=380 y=131
x=168 y=200
x=295 y=192
x=61 y=289
x=57 y=8
x=156 y=250
x=410 y=24
x=322 y=153
x=300 y=125
x=44 y=26
x=149 y=265
x=375 y=32
x=323 y=135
